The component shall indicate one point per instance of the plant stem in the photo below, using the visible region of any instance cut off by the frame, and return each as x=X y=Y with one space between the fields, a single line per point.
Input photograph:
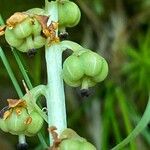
x=55 y=91
x=55 y=88
x=21 y=138
x=70 y=45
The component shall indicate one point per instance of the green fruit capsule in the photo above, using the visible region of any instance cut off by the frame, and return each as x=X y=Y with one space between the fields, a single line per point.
x=36 y=11
x=76 y=144
x=23 y=47
x=72 y=141
x=3 y=125
x=36 y=28
x=87 y=146
x=69 y=14
x=103 y=73
x=16 y=122
x=92 y=63
x=23 y=29
x=39 y=41
x=73 y=68
x=84 y=68
x=70 y=144
x=71 y=82
x=11 y=38
x=35 y=125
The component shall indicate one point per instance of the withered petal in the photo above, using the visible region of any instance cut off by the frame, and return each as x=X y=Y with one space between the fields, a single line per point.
x=16 y=103
x=2 y=30
x=42 y=20
x=16 y=18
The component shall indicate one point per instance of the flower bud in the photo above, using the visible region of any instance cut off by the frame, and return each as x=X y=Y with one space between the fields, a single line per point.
x=72 y=11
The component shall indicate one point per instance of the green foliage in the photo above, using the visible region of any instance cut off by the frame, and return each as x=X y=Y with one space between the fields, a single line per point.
x=137 y=68
x=115 y=38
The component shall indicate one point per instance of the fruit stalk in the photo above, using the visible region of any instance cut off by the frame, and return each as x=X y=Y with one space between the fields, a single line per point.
x=55 y=88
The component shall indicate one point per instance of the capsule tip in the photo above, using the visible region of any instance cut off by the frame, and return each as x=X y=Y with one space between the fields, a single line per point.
x=31 y=52
x=85 y=92
x=63 y=35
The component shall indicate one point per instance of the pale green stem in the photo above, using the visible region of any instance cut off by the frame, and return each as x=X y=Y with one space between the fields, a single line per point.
x=55 y=92
x=32 y=97
x=22 y=138
x=70 y=45
x=84 y=83
x=55 y=88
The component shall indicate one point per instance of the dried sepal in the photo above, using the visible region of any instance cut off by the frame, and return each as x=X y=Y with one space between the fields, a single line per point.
x=16 y=18
x=42 y=20
x=16 y=103
x=2 y=30
x=48 y=31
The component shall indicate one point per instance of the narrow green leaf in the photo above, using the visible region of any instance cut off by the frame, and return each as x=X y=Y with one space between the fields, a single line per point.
x=138 y=129
x=10 y=72
x=22 y=69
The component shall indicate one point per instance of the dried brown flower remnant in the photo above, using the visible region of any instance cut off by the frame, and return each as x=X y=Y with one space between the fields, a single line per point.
x=48 y=31
x=57 y=140
x=14 y=103
x=42 y=20
x=16 y=18
x=2 y=30
x=28 y=120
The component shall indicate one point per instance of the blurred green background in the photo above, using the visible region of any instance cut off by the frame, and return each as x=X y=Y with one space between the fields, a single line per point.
x=119 y=30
